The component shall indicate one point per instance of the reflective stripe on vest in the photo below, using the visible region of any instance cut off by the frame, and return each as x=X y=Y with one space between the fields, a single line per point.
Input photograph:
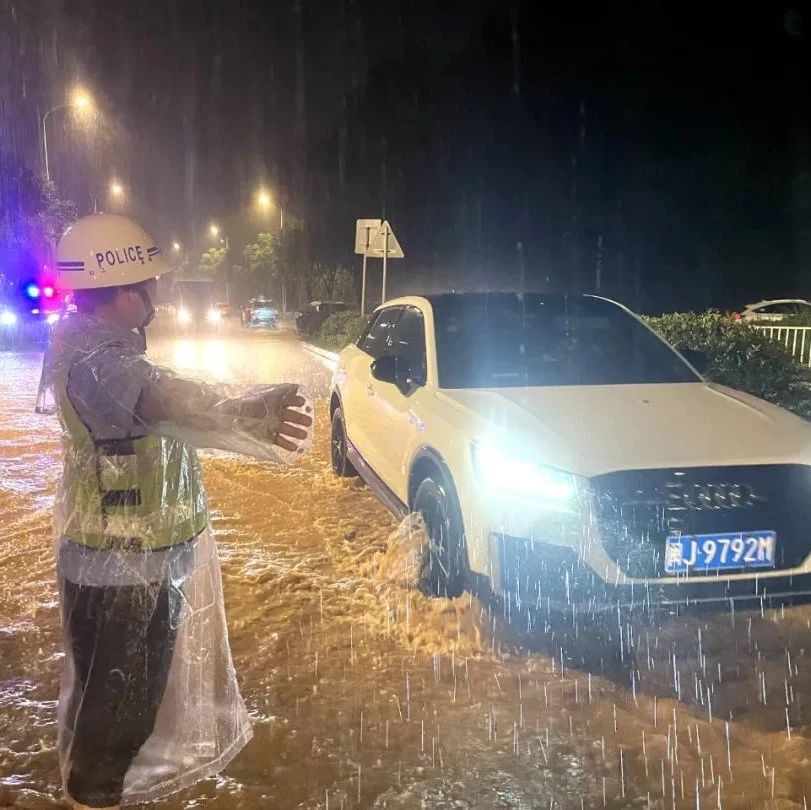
x=135 y=494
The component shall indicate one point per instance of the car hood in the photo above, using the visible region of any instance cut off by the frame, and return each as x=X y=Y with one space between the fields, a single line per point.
x=591 y=430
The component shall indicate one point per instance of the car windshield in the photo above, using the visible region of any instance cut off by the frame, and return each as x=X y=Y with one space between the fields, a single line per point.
x=505 y=340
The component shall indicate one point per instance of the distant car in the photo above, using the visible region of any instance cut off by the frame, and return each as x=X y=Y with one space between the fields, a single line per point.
x=224 y=308
x=194 y=308
x=260 y=313
x=774 y=311
x=560 y=450
x=315 y=313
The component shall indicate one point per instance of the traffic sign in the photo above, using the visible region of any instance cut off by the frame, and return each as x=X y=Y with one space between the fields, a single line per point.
x=364 y=228
x=384 y=243
x=375 y=238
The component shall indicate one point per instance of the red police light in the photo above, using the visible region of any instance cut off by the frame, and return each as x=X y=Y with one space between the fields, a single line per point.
x=48 y=292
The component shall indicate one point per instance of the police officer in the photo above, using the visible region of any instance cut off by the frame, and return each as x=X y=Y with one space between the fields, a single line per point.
x=149 y=701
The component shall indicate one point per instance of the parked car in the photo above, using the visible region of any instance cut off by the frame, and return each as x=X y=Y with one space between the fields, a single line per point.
x=315 y=313
x=774 y=311
x=560 y=450
x=260 y=313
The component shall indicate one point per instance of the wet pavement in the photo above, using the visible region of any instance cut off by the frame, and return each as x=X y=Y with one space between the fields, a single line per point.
x=364 y=693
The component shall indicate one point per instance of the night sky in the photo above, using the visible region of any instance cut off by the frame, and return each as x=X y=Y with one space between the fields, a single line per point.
x=505 y=141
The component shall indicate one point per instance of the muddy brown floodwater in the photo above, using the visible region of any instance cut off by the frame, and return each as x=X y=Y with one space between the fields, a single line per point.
x=363 y=693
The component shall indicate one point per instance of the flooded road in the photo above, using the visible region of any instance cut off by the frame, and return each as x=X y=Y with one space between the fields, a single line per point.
x=363 y=693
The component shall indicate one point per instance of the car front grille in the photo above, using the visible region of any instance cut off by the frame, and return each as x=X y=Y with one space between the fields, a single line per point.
x=637 y=510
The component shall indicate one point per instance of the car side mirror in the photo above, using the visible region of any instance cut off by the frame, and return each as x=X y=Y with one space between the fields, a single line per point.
x=394 y=369
x=699 y=360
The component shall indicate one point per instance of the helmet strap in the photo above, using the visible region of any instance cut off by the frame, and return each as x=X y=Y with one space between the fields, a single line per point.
x=150 y=313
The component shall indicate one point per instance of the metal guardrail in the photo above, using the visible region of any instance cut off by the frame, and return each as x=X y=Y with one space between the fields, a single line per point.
x=797 y=339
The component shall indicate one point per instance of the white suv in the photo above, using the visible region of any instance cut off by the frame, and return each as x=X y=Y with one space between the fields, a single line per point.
x=563 y=452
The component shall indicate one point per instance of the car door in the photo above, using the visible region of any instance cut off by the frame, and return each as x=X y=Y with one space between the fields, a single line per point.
x=356 y=389
x=396 y=415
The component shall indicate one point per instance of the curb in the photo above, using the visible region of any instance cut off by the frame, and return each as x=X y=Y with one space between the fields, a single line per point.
x=324 y=354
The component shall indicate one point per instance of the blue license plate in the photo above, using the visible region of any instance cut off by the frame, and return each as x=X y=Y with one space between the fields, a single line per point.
x=719 y=552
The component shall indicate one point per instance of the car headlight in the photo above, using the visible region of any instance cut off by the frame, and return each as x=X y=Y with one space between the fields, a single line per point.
x=7 y=318
x=511 y=474
x=213 y=315
x=183 y=315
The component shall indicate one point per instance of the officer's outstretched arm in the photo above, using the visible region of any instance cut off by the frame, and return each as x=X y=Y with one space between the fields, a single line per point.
x=206 y=414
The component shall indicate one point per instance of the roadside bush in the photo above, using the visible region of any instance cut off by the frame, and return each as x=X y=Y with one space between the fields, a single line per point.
x=739 y=357
x=340 y=330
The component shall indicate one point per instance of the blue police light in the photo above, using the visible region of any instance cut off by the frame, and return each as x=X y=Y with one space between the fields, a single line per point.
x=32 y=291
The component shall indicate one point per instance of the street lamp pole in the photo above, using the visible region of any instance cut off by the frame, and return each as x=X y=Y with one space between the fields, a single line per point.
x=78 y=99
x=45 y=137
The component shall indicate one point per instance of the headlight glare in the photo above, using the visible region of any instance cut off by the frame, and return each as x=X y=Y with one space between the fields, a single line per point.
x=513 y=475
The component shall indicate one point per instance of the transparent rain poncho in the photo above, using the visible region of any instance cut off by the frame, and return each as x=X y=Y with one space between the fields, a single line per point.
x=149 y=701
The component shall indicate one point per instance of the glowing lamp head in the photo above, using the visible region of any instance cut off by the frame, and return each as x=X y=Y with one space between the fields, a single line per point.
x=48 y=292
x=32 y=291
x=81 y=99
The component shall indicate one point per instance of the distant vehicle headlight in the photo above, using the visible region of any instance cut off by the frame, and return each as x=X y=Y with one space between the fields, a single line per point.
x=510 y=474
x=52 y=318
x=213 y=315
x=183 y=315
x=7 y=318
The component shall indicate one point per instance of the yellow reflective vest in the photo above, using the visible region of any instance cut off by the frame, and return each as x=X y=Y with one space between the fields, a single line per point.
x=137 y=494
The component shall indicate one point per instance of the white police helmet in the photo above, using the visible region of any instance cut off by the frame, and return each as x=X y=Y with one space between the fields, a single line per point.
x=107 y=250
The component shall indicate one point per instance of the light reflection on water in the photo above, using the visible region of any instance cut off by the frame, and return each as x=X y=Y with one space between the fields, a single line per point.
x=366 y=694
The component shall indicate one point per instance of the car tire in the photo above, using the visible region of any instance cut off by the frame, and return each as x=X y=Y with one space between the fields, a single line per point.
x=341 y=465
x=444 y=558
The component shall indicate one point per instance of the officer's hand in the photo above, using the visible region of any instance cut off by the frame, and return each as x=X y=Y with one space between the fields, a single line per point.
x=286 y=425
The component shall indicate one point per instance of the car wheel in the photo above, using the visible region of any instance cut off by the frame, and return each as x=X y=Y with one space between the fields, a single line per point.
x=444 y=557
x=341 y=465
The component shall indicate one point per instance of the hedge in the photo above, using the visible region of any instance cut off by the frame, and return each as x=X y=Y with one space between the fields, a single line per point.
x=740 y=357
x=340 y=329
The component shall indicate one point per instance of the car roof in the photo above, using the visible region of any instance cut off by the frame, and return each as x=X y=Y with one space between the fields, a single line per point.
x=778 y=301
x=431 y=299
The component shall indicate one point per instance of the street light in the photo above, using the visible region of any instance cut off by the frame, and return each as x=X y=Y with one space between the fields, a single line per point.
x=264 y=202
x=79 y=99
x=176 y=247
x=214 y=232
x=116 y=189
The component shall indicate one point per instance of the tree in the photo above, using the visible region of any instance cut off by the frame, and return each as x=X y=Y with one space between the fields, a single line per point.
x=261 y=267
x=54 y=214
x=36 y=214
x=212 y=262
x=328 y=281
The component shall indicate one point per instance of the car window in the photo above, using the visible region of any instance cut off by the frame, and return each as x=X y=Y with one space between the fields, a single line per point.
x=408 y=340
x=376 y=341
x=506 y=340
x=788 y=308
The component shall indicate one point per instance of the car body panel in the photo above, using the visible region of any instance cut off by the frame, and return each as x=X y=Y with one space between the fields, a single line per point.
x=588 y=431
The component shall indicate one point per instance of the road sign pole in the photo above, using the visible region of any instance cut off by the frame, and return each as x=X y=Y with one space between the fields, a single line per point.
x=363 y=283
x=385 y=257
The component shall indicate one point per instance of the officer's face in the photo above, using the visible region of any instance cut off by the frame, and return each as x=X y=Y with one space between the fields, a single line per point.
x=131 y=309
